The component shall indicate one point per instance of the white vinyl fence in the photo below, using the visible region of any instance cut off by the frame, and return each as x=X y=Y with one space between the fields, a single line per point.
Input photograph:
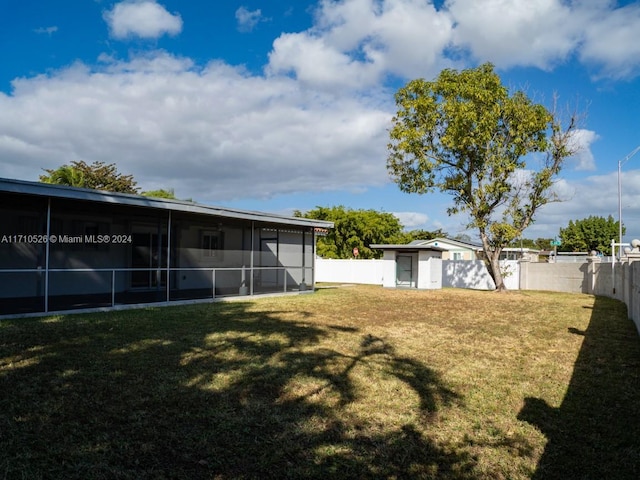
x=455 y=273
x=474 y=274
x=349 y=271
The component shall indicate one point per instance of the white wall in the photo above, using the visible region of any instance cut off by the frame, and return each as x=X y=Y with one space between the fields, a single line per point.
x=389 y=269
x=350 y=271
x=455 y=273
x=474 y=274
x=429 y=270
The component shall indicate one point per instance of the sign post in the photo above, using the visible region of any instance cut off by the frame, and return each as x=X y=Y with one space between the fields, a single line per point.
x=555 y=244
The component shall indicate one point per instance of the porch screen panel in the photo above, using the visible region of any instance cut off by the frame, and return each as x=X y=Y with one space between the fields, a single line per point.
x=309 y=257
x=211 y=256
x=23 y=228
x=292 y=257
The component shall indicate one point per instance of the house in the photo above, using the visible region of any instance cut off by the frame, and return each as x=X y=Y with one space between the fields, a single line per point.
x=413 y=265
x=517 y=253
x=453 y=249
x=65 y=248
x=458 y=250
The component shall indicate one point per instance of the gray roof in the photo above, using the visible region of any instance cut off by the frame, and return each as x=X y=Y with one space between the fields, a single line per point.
x=458 y=243
x=406 y=246
x=74 y=193
x=427 y=245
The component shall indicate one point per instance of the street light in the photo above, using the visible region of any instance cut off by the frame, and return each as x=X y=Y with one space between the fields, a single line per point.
x=620 y=163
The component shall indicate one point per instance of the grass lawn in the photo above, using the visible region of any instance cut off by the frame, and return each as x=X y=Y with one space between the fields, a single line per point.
x=359 y=382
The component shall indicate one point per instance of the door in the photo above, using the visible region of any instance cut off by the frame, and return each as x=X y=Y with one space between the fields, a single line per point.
x=148 y=251
x=404 y=271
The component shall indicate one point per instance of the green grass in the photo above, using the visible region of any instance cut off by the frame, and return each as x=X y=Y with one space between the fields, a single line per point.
x=357 y=382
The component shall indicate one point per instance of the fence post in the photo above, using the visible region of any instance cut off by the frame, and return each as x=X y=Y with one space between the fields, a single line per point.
x=592 y=261
x=523 y=272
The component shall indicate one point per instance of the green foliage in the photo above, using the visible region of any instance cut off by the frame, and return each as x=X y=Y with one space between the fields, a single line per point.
x=464 y=134
x=64 y=175
x=354 y=229
x=98 y=176
x=161 y=193
x=537 y=244
x=544 y=243
x=591 y=233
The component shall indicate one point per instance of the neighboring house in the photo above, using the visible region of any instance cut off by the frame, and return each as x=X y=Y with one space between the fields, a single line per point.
x=457 y=250
x=452 y=249
x=517 y=253
x=64 y=248
x=412 y=265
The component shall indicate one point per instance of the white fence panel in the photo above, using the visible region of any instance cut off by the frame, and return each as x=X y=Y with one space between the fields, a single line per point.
x=455 y=273
x=474 y=274
x=349 y=271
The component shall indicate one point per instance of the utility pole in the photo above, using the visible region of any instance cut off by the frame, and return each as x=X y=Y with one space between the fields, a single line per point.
x=620 y=163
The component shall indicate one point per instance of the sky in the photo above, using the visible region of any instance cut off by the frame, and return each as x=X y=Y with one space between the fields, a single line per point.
x=285 y=105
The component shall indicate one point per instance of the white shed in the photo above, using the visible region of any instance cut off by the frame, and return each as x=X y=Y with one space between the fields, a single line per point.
x=411 y=266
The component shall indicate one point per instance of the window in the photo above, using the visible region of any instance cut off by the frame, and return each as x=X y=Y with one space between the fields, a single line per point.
x=212 y=244
x=457 y=255
x=85 y=235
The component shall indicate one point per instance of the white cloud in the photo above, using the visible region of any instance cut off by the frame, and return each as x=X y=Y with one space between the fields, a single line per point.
x=318 y=64
x=355 y=43
x=544 y=33
x=596 y=195
x=247 y=19
x=141 y=18
x=412 y=220
x=611 y=42
x=581 y=141
x=213 y=134
x=47 y=30
x=516 y=32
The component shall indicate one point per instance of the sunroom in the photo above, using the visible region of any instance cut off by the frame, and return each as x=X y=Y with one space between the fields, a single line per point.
x=64 y=248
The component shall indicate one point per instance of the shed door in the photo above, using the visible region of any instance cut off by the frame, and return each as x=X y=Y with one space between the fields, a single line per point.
x=404 y=271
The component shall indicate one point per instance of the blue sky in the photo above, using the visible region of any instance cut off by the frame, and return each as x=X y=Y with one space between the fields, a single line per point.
x=285 y=105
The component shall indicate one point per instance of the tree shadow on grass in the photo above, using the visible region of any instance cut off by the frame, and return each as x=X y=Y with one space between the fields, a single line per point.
x=206 y=392
x=595 y=433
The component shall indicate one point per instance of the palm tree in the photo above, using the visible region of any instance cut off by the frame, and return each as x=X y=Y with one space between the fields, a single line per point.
x=64 y=175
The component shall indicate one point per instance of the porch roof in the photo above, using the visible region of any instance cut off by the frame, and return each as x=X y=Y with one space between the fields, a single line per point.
x=86 y=194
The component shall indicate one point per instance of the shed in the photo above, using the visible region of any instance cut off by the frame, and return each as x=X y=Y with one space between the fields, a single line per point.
x=413 y=265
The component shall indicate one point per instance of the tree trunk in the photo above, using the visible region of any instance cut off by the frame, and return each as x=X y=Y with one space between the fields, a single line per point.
x=492 y=261
x=493 y=264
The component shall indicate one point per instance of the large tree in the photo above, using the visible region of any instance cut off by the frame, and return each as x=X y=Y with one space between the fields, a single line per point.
x=98 y=175
x=354 y=229
x=537 y=244
x=466 y=135
x=591 y=233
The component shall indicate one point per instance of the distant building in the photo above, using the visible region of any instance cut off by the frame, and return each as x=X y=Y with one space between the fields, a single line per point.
x=413 y=265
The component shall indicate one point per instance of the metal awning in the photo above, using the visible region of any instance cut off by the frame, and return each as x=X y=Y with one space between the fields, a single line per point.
x=74 y=193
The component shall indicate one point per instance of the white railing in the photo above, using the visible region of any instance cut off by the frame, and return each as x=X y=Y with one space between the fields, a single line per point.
x=284 y=279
